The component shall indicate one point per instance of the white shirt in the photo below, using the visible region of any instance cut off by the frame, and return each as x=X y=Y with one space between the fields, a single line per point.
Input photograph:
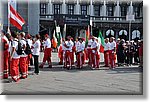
x=94 y=44
x=72 y=44
x=68 y=43
x=15 y=45
x=36 y=48
x=89 y=43
x=79 y=47
x=112 y=45
x=63 y=47
x=23 y=43
x=47 y=43
x=29 y=42
x=106 y=46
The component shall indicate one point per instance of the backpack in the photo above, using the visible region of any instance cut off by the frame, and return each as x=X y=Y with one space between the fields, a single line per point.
x=19 y=50
x=28 y=49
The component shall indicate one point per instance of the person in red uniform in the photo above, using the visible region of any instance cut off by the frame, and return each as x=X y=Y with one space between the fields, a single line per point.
x=14 y=58
x=47 y=52
x=98 y=54
x=106 y=52
x=94 y=51
x=89 y=52
x=112 y=53
x=29 y=56
x=68 y=49
x=79 y=53
x=5 y=44
x=23 y=57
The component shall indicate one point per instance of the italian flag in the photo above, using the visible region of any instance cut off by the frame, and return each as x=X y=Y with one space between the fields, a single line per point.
x=54 y=40
x=101 y=41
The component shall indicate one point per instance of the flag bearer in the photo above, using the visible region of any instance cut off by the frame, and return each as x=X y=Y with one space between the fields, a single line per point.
x=47 y=52
x=14 y=58
x=106 y=52
x=112 y=52
x=94 y=51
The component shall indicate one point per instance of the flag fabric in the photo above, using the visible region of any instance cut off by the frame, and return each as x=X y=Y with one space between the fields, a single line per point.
x=15 y=18
x=87 y=35
x=59 y=39
x=54 y=40
x=101 y=41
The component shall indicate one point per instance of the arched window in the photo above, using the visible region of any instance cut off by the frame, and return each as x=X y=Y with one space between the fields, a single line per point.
x=110 y=32
x=136 y=34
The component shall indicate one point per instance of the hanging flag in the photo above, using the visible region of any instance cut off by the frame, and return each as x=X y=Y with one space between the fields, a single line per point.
x=59 y=39
x=87 y=35
x=101 y=41
x=15 y=18
x=54 y=40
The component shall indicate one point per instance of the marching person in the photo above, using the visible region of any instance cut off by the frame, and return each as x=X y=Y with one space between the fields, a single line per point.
x=79 y=53
x=36 y=53
x=47 y=52
x=112 y=53
x=93 y=52
x=14 y=58
x=106 y=52
x=67 y=59
x=5 y=54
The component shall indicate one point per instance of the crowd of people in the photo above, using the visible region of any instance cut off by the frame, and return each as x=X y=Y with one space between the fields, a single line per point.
x=19 y=48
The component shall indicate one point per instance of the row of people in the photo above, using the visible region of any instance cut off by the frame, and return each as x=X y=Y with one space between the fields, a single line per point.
x=17 y=52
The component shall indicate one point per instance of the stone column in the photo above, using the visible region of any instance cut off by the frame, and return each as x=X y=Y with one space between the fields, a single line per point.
x=33 y=17
x=64 y=7
x=77 y=7
x=91 y=8
x=104 y=10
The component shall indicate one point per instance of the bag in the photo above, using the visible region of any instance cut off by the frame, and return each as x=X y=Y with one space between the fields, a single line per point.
x=19 y=50
x=28 y=49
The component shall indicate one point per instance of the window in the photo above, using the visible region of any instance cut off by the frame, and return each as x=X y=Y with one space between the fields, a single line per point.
x=137 y=11
x=83 y=9
x=123 y=10
x=97 y=10
x=110 y=10
x=57 y=8
x=70 y=9
x=43 y=8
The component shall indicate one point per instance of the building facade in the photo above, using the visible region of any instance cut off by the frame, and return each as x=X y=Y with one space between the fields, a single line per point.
x=107 y=16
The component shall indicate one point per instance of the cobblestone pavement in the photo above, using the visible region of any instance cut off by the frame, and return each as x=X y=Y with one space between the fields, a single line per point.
x=57 y=80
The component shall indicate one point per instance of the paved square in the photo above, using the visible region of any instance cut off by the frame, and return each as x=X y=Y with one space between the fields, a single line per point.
x=85 y=81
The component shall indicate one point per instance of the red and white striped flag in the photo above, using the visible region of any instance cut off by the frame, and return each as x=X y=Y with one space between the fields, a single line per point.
x=15 y=18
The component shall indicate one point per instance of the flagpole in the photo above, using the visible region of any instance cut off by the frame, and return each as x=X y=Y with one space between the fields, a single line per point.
x=8 y=14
